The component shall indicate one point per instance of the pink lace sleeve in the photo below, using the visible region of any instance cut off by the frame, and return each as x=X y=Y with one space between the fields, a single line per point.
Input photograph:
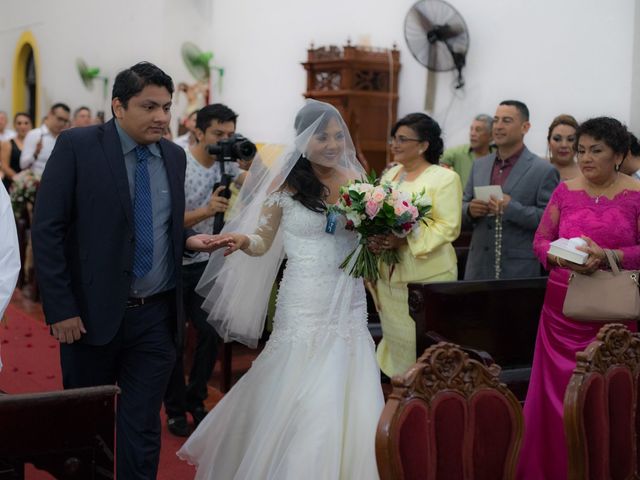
x=631 y=255
x=549 y=225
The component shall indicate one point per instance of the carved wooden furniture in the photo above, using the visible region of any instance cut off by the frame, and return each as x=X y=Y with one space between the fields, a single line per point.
x=600 y=407
x=70 y=433
x=362 y=83
x=448 y=418
x=497 y=316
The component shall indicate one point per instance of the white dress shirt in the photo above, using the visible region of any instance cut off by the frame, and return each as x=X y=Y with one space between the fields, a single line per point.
x=28 y=158
x=9 y=253
x=7 y=134
x=183 y=140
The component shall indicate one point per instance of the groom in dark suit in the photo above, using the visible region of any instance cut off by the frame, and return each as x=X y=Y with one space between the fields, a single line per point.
x=108 y=240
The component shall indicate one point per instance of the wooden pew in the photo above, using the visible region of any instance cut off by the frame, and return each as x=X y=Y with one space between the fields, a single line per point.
x=499 y=317
x=70 y=433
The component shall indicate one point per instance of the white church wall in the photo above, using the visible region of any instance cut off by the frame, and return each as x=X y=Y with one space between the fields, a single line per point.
x=574 y=56
x=109 y=36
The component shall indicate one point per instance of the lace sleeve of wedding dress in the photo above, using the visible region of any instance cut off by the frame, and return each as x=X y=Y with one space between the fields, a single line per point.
x=549 y=227
x=261 y=240
x=229 y=281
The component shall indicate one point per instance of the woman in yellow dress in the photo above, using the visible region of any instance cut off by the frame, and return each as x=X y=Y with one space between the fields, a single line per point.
x=426 y=255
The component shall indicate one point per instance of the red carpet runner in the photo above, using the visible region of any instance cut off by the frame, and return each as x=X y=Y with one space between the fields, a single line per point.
x=31 y=363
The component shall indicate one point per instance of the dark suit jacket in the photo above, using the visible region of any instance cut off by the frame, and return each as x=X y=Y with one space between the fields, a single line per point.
x=83 y=232
x=530 y=184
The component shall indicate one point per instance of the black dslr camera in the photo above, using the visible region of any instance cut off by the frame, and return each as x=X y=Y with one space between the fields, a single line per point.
x=232 y=149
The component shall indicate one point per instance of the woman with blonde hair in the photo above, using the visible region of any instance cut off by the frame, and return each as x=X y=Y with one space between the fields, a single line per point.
x=561 y=146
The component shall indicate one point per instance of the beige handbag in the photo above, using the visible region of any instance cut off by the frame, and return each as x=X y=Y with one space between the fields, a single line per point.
x=603 y=296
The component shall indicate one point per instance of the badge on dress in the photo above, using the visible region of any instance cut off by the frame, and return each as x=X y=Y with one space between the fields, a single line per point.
x=332 y=222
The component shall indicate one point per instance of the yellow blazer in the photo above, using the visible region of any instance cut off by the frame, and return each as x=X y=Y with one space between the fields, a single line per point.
x=429 y=251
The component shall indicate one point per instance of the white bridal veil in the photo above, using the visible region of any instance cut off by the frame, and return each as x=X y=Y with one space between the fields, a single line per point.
x=237 y=288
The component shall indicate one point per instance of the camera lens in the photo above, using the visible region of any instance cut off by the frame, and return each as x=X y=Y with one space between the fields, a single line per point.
x=245 y=149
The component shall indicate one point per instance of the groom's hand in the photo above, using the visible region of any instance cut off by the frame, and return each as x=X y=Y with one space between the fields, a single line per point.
x=69 y=330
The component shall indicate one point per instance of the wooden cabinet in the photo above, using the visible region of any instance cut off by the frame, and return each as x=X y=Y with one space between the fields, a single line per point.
x=362 y=83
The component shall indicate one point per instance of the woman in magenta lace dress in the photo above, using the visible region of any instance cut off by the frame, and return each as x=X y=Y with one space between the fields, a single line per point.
x=602 y=206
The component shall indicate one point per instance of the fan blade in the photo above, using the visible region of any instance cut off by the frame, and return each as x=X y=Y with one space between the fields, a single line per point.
x=196 y=61
x=445 y=58
x=85 y=73
x=422 y=19
x=460 y=42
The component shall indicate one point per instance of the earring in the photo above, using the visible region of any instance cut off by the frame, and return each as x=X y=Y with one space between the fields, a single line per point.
x=617 y=167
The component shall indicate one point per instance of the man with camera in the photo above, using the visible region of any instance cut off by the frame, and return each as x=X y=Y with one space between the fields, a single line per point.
x=204 y=198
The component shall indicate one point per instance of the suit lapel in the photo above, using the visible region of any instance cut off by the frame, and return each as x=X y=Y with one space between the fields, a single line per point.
x=485 y=173
x=113 y=153
x=519 y=170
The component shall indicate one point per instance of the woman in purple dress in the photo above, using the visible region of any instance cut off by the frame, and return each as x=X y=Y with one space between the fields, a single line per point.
x=602 y=206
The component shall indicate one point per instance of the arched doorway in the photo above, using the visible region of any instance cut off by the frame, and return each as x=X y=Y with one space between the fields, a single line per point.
x=26 y=88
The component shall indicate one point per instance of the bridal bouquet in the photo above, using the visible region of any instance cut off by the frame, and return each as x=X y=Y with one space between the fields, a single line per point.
x=372 y=208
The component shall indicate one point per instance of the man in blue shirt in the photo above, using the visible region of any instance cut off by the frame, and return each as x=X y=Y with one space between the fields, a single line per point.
x=108 y=240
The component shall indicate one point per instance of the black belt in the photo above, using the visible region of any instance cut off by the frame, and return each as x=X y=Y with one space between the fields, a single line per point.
x=133 y=302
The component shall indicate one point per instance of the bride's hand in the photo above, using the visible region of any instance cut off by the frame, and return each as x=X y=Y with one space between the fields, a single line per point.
x=203 y=242
x=234 y=241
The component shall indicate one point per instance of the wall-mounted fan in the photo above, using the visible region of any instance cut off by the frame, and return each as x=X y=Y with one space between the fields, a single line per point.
x=438 y=38
x=89 y=74
x=198 y=62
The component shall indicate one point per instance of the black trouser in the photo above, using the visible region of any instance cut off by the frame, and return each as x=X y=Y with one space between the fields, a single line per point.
x=139 y=359
x=181 y=398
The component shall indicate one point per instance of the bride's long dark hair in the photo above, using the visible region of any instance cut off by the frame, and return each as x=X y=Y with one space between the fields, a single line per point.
x=309 y=191
x=302 y=180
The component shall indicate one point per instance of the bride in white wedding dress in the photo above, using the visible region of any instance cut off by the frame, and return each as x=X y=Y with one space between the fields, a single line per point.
x=309 y=406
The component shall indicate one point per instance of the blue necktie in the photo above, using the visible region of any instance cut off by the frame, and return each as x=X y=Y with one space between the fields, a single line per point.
x=143 y=215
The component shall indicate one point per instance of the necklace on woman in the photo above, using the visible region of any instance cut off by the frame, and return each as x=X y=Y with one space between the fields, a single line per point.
x=597 y=196
x=403 y=174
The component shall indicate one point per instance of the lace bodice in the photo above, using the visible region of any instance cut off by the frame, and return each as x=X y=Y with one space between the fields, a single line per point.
x=314 y=294
x=611 y=223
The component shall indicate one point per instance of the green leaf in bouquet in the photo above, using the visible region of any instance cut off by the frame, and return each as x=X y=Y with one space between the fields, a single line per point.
x=356 y=196
x=388 y=209
x=404 y=218
x=372 y=177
